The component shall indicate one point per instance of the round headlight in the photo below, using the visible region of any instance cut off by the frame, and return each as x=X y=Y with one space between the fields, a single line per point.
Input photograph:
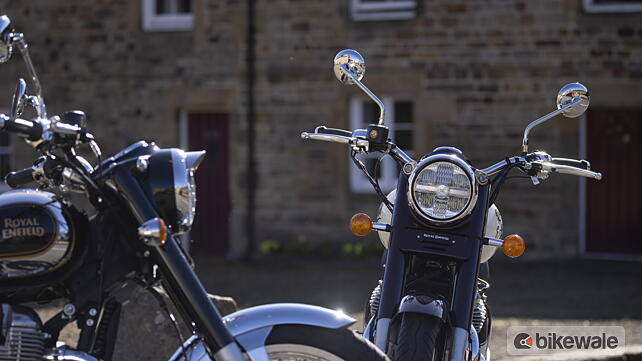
x=442 y=189
x=186 y=201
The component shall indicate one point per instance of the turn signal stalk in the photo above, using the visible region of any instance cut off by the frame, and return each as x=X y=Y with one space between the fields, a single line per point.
x=360 y=224
x=513 y=245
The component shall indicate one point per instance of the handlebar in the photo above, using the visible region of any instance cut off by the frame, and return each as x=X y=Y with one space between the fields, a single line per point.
x=19 y=178
x=544 y=163
x=31 y=130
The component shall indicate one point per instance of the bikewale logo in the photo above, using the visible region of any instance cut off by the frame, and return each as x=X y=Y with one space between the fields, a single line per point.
x=525 y=340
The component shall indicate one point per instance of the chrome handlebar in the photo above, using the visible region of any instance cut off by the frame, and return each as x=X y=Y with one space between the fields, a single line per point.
x=544 y=164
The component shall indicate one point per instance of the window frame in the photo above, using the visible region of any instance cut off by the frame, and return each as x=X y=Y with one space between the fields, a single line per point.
x=616 y=7
x=367 y=10
x=152 y=21
x=388 y=168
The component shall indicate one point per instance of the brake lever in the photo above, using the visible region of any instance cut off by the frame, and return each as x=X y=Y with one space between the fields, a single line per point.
x=567 y=169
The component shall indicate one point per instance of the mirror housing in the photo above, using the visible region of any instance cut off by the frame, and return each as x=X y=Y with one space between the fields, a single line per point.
x=349 y=61
x=567 y=94
x=572 y=101
x=349 y=67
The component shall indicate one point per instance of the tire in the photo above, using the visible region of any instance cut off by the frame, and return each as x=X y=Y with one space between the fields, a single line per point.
x=309 y=343
x=417 y=338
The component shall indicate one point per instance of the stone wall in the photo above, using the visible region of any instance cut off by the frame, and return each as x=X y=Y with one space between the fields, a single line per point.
x=477 y=73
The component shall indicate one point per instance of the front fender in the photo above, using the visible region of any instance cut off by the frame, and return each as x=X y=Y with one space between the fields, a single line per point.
x=252 y=326
x=257 y=317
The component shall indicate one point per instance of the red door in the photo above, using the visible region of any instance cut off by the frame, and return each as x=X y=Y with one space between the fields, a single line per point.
x=210 y=232
x=614 y=148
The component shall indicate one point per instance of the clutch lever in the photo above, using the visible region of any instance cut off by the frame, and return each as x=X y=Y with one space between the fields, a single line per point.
x=323 y=133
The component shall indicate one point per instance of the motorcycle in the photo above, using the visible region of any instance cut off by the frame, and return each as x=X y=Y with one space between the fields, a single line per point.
x=90 y=234
x=440 y=226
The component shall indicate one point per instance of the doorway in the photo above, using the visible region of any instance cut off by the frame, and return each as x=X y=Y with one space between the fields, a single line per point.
x=209 y=132
x=613 y=212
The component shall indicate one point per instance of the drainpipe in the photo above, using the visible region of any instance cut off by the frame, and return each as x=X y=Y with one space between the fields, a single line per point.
x=251 y=170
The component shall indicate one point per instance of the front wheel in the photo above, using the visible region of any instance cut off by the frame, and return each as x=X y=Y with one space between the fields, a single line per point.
x=417 y=338
x=309 y=343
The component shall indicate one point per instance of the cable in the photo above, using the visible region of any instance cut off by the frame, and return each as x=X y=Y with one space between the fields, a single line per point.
x=170 y=315
x=373 y=182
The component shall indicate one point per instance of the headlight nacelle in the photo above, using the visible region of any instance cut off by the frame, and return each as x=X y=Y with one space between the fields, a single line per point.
x=442 y=189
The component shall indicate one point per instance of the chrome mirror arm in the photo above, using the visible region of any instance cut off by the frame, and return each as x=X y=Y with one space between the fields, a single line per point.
x=541 y=120
x=365 y=89
x=19 y=39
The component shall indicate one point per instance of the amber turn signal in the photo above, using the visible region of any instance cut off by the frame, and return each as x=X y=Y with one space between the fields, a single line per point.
x=360 y=224
x=513 y=245
x=162 y=231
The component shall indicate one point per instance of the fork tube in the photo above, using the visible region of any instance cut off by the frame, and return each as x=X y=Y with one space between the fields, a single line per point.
x=395 y=268
x=185 y=287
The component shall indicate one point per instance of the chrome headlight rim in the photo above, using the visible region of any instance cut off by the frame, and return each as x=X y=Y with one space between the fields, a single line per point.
x=443 y=158
x=184 y=190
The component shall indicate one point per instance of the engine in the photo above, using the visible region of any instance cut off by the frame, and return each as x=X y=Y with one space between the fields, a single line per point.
x=21 y=338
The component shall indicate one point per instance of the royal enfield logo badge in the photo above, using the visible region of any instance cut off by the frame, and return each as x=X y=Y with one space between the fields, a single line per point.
x=22 y=227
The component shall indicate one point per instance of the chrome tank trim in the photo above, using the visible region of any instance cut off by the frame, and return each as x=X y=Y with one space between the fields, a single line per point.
x=60 y=250
x=444 y=158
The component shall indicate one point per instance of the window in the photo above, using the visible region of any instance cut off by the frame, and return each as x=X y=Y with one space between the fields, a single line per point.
x=399 y=119
x=167 y=15
x=6 y=151
x=368 y=10
x=612 y=6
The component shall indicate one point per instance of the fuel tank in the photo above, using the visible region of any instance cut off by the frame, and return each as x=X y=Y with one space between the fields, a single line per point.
x=36 y=237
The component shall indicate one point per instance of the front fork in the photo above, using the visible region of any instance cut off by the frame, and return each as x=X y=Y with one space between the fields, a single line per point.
x=463 y=295
x=461 y=304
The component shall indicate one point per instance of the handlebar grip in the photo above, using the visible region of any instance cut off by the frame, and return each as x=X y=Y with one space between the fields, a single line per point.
x=325 y=130
x=582 y=164
x=26 y=128
x=19 y=178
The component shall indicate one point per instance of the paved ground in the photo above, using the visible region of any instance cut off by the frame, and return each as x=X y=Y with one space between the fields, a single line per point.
x=523 y=292
x=543 y=292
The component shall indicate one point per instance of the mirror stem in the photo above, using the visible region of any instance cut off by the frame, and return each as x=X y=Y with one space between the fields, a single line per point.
x=541 y=120
x=24 y=51
x=368 y=92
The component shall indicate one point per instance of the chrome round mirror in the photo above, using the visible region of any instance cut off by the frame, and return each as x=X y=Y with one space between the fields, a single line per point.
x=18 y=102
x=5 y=44
x=351 y=61
x=567 y=94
